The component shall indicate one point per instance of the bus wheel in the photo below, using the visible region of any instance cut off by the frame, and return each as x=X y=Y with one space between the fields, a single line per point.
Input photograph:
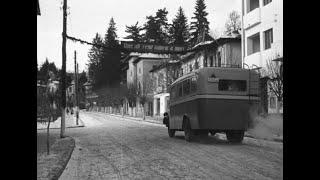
x=212 y=132
x=171 y=132
x=235 y=136
x=187 y=130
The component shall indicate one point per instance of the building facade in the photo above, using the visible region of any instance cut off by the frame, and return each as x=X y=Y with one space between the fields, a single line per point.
x=222 y=52
x=262 y=42
x=138 y=75
x=163 y=75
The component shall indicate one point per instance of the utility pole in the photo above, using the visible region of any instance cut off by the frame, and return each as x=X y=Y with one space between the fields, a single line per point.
x=76 y=85
x=63 y=74
x=77 y=114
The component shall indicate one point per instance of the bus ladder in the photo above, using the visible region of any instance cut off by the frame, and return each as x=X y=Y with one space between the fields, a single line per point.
x=256 y=68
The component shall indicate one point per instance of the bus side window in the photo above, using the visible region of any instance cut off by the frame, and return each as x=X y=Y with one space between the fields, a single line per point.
x=180 y=89
x=186 y=87
x=193 y=84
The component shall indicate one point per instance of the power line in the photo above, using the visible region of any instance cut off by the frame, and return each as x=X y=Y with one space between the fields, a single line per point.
x=93 y=44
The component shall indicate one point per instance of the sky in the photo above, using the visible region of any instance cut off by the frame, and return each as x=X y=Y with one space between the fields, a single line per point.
x=88 y=17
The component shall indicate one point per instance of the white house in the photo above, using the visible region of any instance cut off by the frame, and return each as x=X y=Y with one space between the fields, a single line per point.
x=262 y=37
x=262 y=31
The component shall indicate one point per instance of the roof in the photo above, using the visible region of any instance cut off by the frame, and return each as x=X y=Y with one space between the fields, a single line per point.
x=164 y=64
x=186 y=75
x=217 y=42
x=188 y=55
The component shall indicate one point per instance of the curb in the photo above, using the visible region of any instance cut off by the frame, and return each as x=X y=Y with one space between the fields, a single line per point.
x=135 y=119
x=273 y=139
x=67 y=159
x=83 y=125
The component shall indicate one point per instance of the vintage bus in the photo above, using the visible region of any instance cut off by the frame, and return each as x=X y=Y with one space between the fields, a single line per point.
x=213 y=100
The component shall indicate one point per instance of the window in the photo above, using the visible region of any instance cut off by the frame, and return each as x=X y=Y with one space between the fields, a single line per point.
x=193 y=87
x=196 y=65
x=211 y=61
x=272 y=102
x=268 y=39
x=186 y=87
x=205 y=61
x=139 y=87
x=139 y=70
x=253 y=44
x=180 y=90
x=232 y=85
x=219 y=59
x=252 y=4
x=265 y=2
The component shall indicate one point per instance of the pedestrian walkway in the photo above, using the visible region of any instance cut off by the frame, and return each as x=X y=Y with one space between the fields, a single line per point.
x=156 y=120
x=70 y=123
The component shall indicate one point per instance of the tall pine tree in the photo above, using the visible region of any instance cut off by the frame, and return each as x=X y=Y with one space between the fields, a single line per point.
x=200 y=24
x=134 y=32
x=179 y=30
x=151 y=30
x=94 y=65
x=111 y=57
x=157 y=27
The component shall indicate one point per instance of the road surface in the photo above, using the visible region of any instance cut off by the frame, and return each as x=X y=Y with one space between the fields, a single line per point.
x=115 y=148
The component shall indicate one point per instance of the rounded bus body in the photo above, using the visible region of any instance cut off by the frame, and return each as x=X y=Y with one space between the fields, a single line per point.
x=213 y=100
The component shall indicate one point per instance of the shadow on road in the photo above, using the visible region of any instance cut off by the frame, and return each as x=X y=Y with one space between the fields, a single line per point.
x=214 y=140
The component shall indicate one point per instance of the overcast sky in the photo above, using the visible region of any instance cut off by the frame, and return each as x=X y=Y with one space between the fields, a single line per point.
x=88 y=17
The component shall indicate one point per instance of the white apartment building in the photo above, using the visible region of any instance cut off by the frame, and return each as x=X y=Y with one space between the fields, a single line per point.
x=262 y=31
x=262 y=38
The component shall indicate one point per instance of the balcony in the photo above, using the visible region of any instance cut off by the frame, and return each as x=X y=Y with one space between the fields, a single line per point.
x=252 y=18
x=253 y=59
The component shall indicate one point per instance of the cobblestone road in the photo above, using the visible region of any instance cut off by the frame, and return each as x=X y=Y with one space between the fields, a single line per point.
x=115 y=148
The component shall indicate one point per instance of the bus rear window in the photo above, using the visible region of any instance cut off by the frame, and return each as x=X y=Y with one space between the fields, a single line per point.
x=232 y=85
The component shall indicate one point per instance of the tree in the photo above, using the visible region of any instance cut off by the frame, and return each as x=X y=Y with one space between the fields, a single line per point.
x=82 y=79
x=131 y=95
x=151 y=28
x=201 y=25
x=275 y=82
x=162 y=21
x=179 y=30
x=94 y=65
x=110 y=62
x=44 y=70
x=233 y=23
x=157 y=27
x=134 y=32
x=48 y=104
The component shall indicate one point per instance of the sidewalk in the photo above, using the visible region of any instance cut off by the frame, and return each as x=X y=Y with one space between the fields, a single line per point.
x=70 y=123
x=147 y=119
x=159 y=121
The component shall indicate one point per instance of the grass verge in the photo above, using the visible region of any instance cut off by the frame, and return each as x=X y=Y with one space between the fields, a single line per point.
x=51 y=166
